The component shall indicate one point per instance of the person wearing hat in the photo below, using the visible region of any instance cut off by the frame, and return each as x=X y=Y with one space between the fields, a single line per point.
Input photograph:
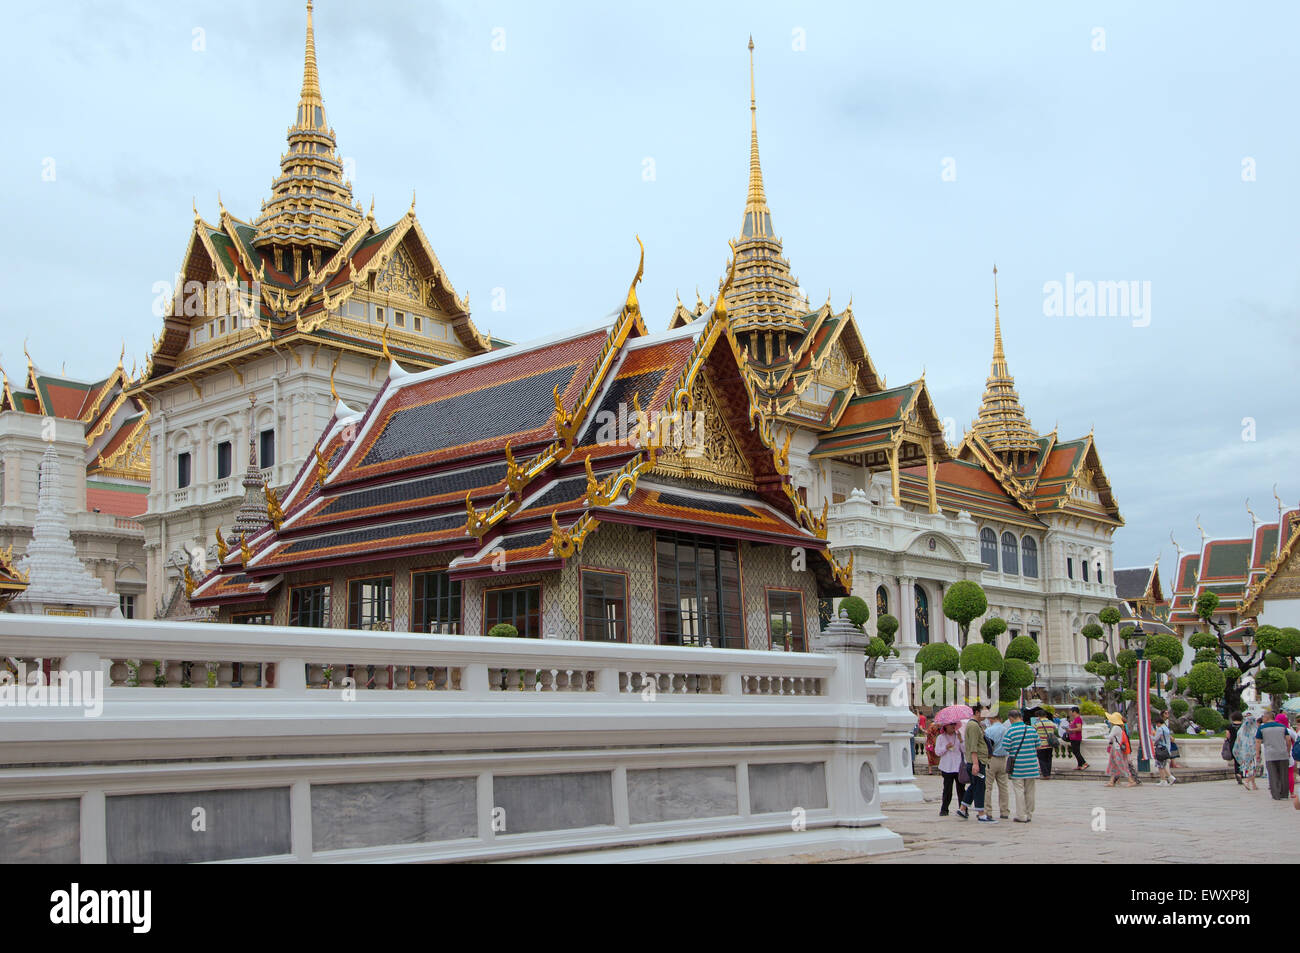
x=1117 y=750
x=977 y=758
x=1021 y=743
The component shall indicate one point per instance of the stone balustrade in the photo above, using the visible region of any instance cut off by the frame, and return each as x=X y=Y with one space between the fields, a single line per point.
x=330 y=745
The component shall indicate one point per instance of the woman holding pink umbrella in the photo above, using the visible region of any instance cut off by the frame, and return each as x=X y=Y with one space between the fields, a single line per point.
x=952 y=754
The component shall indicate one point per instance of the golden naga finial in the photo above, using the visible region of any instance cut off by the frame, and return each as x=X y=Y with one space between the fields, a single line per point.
x=1201 y=529
x=383 y=340
x=566 y=543
x=194 y=203
x=1254 y=520
x=475 y=524
x=322 y=468
x=190 y=581
x=273 y=511
x=783 y=455
x=720 y=309
x=593 y=485
x=632 y=304
x=515 y=476
x=411 y=211
x=245 y=554
x=333 y=393
x=821 y=522
x=222 y=549
x=371 y=214
x=566 y=426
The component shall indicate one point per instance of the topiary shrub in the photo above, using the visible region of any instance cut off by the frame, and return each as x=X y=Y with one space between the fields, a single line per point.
x=1205 y=682
x=1274 y=660
x=981 y=657
x=855 y=609
x=1126 y=633
x=1267 y=636
x=1109 y=616
x=887 y=628
x=1158 y=703
x=1232 y=673
x=1126 y=659
x=1016 y=675
x=964 y=602
x=992 y=628
x=1110 y=686
x=937 y=657
x=1272 y=680
x=1206 y=604
x=1179 y=707
x=1099 y=657
x=1160 y=664
x=1128 y=695
x=503 y=630
x=1180 y=684
x=1202 y=640
x=1293 y=681
x=1205 y=655
x=1166 y=646
x=1024 y=648
x=1209 y=719
x=877 y=648
x=1289 y=643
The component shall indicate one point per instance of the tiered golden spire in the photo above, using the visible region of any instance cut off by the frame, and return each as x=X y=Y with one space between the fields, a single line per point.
x=311 y=205
x=1002 y=422
x=764 y=296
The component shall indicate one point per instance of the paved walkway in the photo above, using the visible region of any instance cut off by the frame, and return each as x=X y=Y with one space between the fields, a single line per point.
x=1146 y=824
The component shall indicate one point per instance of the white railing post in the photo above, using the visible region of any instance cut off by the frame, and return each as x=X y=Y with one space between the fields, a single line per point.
x=291 y=676
x=474 y=679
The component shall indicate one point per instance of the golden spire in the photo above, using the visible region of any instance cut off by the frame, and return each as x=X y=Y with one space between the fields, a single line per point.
x=311 y=205
x=1002 y=421
x=757 y=199
x=310 y=78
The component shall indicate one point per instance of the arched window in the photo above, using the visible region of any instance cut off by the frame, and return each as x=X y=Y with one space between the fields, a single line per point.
x=882 y=601
x=989 y=549
x=1029 y=556
x=922 y=616
x=1010 y=553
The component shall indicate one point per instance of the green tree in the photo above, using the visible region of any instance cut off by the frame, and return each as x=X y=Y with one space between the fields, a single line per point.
x=964 y=602
x=1016 y=676
x=1095 y=633
x=1024 y=648
x=877 y=648
x=937 y=657
x=1165 y=646
x=1179 y=707
x=1273 y=681
x=1205 y=655
x=993 y=627
x=503 y=630
x=887 y=628
x=1209 y=719
x=856 y=610
x=1205 y=609
x=980 y=658
x=1205 y=682
x=1110 y=617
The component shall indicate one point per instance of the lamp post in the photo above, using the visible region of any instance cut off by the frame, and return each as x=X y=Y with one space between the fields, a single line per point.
x=1139 y=638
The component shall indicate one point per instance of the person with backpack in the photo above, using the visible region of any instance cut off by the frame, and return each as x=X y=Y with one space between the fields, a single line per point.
x=978 y=750
x=1021 y=742
x=1164 y=739
x=1295 y=748
x=1273 y=745
x=1118 y=749
x=1047 y=739
x=1230 y=745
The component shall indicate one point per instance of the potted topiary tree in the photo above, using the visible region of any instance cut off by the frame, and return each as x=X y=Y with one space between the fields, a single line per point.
x=992 y=628
x=985 y=662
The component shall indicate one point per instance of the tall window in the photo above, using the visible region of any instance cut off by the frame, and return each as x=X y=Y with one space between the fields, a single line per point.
x=699 y=591
x=989 y=549
x=922 y=616
x=182 y=470
x=370 y=604
x=520 y=607
x=266 y=451
x=1010 y=553
x=1069 y=567
x=127 y=604
x=310 y=606
x=1033 y=635
x=223 y=459
x=604 y=606
x=1029 y=557
x=1099 y=572
x=882 y=601
x=785 y=619
x=1084 y=564
x=435 y=603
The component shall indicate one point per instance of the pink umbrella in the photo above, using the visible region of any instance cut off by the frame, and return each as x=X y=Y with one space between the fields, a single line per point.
x=953 y=715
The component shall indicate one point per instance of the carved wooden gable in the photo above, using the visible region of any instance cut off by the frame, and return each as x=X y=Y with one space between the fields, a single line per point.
x=710 y=450
x=400 y=277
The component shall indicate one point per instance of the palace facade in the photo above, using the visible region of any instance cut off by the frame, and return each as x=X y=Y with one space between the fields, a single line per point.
x=1028 y=516
x=287 y=314
x=563 y=487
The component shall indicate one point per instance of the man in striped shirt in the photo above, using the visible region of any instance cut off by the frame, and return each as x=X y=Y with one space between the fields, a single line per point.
x=1021 y=743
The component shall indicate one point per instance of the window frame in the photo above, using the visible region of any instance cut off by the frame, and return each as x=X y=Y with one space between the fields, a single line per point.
x=919 y=596
x=798 y=643
x=184 y=474
x=1027 y=545
x=262 y=443
x=229 y=448
x=1010 y=553
x=620 y=574
x=392 y=598
x=328 y=586
x=423 y=600
x=243 y=618
x=987 y=533
x=717 y=545
x=541 y=619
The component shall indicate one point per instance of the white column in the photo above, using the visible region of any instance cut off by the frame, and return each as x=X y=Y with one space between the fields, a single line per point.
x=906 y=610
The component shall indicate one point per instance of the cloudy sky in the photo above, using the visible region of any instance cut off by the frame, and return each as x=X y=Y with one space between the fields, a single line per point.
x=905 y=148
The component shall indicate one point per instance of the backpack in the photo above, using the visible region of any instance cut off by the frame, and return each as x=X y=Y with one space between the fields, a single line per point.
x=1295 y=750
x=1226 y=754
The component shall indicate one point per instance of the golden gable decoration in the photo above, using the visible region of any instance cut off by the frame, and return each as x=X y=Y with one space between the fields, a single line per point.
x=400 y=277
x=719 y=460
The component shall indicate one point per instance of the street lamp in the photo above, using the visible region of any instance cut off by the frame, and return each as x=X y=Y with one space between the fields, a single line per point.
x=1139 y=638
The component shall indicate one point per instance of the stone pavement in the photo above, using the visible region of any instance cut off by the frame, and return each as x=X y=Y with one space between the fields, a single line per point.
x=1210 y=822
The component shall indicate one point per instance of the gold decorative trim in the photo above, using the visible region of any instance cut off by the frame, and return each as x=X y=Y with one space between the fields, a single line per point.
x=566 y=542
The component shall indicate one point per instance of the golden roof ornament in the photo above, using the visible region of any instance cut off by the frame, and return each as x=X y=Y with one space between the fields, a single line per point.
x=632 y=303
x=273 y=511
x=383 y=339
x=223 y=550
x=565 y=424
x=593 y=485
x=245 y=554
x=566 y=542
x=516 y=479
x=190 y=581
x=322 y=469
x=476 y=524
x=333 y=393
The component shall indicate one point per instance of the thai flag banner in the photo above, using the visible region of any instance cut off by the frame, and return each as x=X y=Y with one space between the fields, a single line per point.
x=1144 y=709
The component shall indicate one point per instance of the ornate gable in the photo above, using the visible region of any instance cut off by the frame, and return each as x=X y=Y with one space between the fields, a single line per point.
x=401 y=278
x=712 y=452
